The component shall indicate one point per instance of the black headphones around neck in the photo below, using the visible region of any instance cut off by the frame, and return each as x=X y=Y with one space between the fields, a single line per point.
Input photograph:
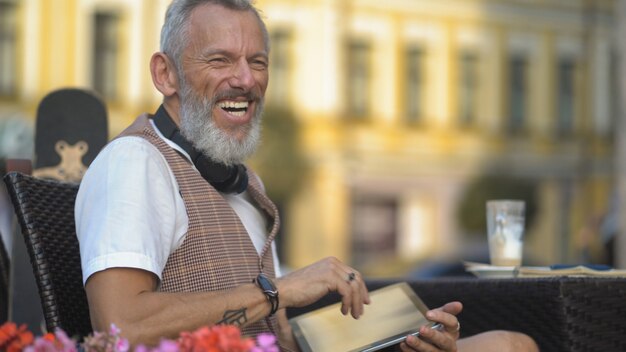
x=225 y=178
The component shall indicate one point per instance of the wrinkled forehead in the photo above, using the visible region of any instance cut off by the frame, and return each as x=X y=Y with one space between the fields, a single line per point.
x=218 y=23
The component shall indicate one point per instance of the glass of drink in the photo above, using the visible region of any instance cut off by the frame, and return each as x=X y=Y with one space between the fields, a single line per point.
x=505 y=230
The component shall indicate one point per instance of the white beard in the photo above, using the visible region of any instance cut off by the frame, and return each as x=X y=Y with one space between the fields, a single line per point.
x=197 y=125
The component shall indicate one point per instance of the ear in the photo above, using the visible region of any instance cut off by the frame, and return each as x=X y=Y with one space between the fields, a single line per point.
x=60 y=146
x=164 y=75
x=82 y=146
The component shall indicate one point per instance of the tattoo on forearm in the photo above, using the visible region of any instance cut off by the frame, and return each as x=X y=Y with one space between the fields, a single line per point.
x=234 y=317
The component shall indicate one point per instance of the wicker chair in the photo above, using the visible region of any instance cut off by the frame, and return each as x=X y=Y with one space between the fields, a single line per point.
x=6 y=165
x=45 y=211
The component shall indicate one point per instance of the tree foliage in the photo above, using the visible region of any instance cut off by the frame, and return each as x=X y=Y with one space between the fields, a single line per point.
x=279 y=160
x=471 y=211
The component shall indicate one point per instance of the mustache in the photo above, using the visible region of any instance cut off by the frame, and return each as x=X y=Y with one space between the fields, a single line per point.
x=235 y=93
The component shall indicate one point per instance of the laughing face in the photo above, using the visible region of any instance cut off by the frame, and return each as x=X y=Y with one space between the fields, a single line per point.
x=222 y=83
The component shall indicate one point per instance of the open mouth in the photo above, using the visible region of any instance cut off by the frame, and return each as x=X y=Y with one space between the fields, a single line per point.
x=237 y=108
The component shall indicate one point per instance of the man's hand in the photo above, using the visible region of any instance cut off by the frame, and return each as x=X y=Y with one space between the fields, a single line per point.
x=433 y=339
x=307 y=285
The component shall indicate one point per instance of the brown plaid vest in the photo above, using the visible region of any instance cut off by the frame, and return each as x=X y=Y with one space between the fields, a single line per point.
x=217 y=252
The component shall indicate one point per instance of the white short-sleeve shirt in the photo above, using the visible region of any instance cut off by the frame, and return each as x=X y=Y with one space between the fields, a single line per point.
x=129 y=212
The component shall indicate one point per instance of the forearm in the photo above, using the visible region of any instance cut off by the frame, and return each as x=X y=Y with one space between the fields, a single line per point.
x=129 y=298
x=146 y=317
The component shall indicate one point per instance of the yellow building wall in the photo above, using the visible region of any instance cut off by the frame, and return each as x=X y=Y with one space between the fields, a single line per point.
x=423 y=168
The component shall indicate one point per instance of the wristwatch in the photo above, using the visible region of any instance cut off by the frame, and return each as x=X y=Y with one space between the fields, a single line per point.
x=269 y=290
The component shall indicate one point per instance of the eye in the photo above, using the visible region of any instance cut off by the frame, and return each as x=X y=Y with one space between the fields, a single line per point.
x=259 y=64
x=220 y=60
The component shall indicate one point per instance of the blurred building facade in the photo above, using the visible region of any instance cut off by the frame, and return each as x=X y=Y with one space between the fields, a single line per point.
x=401 y=105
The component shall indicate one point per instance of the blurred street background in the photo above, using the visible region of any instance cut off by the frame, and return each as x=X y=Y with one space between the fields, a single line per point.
x=388 y=124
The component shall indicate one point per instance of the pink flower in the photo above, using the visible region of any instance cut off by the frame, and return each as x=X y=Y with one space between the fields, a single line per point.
x=167 y=346
x=114 y=330
x=57 y=342
x=265 y=343
x=164 y=346
x=106 y=342
x=122 y=345
x=67 y=344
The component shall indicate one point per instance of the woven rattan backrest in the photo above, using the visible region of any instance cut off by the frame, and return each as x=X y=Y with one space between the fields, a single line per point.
x=7 y=165
x=45 y=211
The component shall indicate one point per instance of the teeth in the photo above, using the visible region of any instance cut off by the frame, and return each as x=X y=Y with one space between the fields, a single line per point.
x=233 y=104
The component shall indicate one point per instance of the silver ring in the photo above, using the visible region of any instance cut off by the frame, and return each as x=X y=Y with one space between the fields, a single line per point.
x=458 y=326
x=351 y=277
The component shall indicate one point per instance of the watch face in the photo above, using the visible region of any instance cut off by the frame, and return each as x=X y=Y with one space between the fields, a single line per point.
x=269 y=290
x=266 y=284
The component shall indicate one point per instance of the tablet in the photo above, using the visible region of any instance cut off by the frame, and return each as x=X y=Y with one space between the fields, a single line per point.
x=395 y=311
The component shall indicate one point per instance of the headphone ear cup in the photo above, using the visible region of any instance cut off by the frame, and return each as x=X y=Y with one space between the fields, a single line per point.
x=226 y=179
x=236 y=183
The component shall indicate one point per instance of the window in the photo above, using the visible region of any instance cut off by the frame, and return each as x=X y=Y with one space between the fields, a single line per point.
x=105 y=56
x=468 y=89
x=565 y=97
x=374 y=234
x=8 y=52
x=517 y=94
x=279 y=67
x=414 y=84
x=358 y=78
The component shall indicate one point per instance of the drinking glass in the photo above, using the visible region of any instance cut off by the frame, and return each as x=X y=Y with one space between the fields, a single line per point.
x=505 y=231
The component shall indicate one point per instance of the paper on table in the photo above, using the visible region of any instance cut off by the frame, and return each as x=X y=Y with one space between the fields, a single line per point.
x=486 y=270
x=579 y=270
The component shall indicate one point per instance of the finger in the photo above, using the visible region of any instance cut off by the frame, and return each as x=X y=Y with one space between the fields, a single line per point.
x=345 y=290
x=449 y=323
x=440 y=339
x=353 y=277
x=450 y=326
x=452 y=330
x=457 y=329
x=365 y=296
x=448 y=320
x=357 y=297
x=453 y=308
x=413 y=343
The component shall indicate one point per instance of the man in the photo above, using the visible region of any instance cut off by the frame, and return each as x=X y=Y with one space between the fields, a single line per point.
x=163 y=251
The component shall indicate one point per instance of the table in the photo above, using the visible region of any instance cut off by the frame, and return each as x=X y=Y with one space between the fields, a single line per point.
x=560 y=313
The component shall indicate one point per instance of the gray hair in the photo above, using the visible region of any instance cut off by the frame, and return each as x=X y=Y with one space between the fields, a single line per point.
x=175 y=30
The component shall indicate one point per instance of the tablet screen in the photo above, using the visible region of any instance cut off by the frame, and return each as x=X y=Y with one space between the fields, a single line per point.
x=394 y=312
